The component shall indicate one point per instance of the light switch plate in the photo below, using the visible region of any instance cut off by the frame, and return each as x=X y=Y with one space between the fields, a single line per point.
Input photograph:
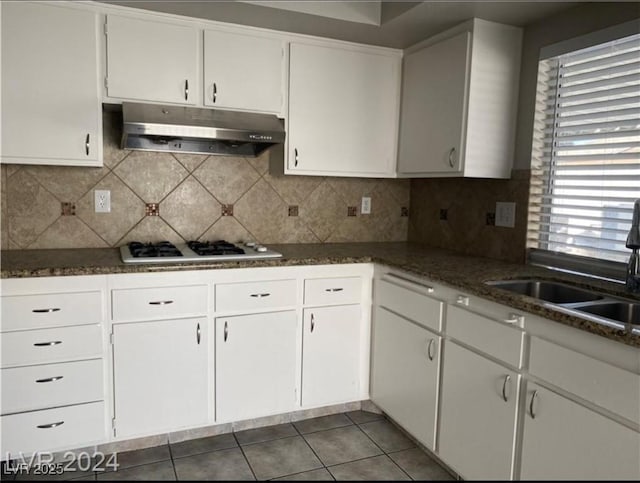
x=505 y=214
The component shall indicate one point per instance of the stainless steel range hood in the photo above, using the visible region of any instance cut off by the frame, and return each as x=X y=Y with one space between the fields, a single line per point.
x=152 y=127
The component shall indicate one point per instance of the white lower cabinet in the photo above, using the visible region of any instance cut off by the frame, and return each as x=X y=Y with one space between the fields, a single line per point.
x=255 y=360
x=330 y=355
x=404 y=374
x=563 y=440
x=161 y=376
x=478 y=415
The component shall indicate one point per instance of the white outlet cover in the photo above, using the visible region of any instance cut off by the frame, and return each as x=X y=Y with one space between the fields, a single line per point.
x=505 y=214
x=365 y=209
x=102 y=201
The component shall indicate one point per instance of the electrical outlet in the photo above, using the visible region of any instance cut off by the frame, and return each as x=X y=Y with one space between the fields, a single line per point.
x=366 y=206
x=102 y=201
x=505 y=214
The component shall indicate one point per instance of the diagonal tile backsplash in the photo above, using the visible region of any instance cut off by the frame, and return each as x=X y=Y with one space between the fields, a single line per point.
x=190 y=191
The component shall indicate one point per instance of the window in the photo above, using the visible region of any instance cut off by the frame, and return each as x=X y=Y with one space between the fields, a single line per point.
x=586 y=151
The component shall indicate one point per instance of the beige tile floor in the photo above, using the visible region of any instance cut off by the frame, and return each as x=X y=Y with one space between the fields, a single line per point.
x=351 y=446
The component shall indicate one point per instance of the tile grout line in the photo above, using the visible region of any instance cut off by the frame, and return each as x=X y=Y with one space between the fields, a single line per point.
x=244 y=456
x=173 y=463
x=312 y=450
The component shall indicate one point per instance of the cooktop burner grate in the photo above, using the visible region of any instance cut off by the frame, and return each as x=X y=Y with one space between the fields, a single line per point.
x=160 y=249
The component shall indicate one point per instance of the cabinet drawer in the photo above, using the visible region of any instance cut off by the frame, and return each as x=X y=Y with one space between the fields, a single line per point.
x=23 y=312
x=603 y=384
x=42 y=346
x=255 y=295
x=332 y=291
x=410 y=303
x=159 y=302
x=53 y=429
x=51 y=385
x=489 y=336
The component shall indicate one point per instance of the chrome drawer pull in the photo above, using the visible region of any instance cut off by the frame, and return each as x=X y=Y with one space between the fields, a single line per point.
x=338 y=289
x=198 y=333
x=429 y=349
x=507 y=378
x=513 y=319
x=451 y=161
x=51 y=425
x=49 y=379
x=462 y=300
x=313 y=324
x=533 y=398
x=46 y=311
x=260 y=295
x=87 y=144
x=46 y=344
x=215 y=93
x=186 y=89
x=226 y=331
x=161 y=302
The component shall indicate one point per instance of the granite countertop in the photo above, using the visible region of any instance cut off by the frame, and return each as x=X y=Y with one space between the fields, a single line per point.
x=467 y=273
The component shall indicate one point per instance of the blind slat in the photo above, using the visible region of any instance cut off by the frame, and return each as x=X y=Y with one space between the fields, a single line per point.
x=631 y=101
x=591 y=65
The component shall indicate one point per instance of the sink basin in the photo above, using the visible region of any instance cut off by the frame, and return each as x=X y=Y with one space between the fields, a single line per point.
x=553 y=292
x=625 y=312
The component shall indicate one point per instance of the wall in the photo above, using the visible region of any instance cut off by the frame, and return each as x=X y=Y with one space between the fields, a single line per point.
x=470 y=201
x=198 y=197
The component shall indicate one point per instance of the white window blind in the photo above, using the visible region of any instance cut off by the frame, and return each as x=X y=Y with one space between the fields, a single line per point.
x=586 y=151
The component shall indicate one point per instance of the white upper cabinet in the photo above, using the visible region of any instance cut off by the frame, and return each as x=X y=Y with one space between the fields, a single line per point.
x=51 y=112
x=243 y=71
x=343 y=110
x=459 y=98
x=152 y=61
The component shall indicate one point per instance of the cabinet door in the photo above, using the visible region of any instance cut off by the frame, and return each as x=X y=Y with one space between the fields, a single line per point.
x=151 y=61
x=255 y=365
x=161 y=376
x=477 y=423
x=566 y=441
x=331 y=355
x=434 y=102
x=405 y=367
x=51 y=111
x=342 y=111
x=243 y=71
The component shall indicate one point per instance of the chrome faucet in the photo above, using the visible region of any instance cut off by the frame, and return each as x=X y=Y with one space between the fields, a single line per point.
x=633 y=242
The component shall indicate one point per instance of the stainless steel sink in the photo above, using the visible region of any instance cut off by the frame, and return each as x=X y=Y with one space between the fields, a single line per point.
x=605 y=309
x=625 y=312
x=553 y=292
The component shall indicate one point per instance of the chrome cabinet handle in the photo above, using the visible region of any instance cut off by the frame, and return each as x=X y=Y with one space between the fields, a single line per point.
x=198 y=333
x=507 y=378
x=46 y=344
x=186 y=89
x=295 y=151
x=226 y=331
x=260 y=295
x=49 y=379
x=533 y=398
x=313 y=324
x=430 y=349
x=87 y=144
x=214 y=96
x=451 y=161
x=161 y=302
x=462 y=300
x=513 y=319
x=338 y=289
x=46 y=311
x=51 y=425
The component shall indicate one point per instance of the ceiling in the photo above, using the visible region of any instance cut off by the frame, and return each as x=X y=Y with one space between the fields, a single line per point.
x=401 y=23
